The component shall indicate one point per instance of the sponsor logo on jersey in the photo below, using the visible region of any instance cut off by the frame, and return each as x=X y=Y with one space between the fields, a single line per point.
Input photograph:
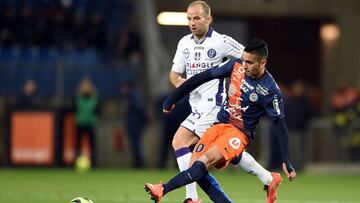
x=186 y=53
x=235 y=143
x=199 y=47
x=244 y=108
x=276 y=105
x=253 y=97
x=195 y=68
x=194 y=71
x=234 y=102
x=246 y=86
x=197 y=56
x=211 y=53
x=235 y=109
x=262 y=90
x=238 y=74
x=231 y=90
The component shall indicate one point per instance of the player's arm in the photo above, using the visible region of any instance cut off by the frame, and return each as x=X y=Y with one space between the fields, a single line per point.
x=282 y=132
x=179 y=64
x=222 y=71
x=176 y=79
x=275 y=109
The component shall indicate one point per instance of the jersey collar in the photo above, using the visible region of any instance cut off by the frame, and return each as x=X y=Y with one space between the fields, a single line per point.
x=208 y=34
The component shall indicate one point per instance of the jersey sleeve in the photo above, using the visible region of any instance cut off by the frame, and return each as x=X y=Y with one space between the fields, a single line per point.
x=179 y=58
x=283 y=137
x=231 y=47
x=222 y=71
x=274 y=105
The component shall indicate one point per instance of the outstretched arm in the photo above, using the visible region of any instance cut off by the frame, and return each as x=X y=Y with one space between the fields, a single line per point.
x=274 y=106
x=282 y=132
x=189 y=85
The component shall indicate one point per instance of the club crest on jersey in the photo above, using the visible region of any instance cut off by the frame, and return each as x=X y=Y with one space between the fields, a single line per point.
x=197 y=56
x=235 y=143
x=186 y=53
x=253 y=97
x=211 y=53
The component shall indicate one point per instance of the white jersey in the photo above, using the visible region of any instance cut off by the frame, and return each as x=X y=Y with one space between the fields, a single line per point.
x=196 y=57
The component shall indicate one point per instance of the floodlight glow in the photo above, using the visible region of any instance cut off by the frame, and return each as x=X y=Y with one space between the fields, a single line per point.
x=330 y=32
x=172 y=18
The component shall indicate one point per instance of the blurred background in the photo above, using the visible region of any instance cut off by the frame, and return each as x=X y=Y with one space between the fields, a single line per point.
x=100 y=69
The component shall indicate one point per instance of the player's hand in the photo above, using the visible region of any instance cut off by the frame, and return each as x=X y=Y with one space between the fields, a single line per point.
x=169 y=110
x=180 y=82
x=289 y=171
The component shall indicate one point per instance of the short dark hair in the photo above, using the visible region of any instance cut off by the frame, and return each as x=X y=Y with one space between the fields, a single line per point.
x=259 y=47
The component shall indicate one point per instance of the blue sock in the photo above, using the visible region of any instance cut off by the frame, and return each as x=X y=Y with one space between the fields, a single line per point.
x=212 y=188
x=194 y=173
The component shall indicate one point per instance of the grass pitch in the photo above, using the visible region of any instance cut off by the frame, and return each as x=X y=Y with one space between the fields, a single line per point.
x=120 y=186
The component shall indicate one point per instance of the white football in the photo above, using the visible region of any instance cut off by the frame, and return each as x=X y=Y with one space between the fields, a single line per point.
x=81 y=200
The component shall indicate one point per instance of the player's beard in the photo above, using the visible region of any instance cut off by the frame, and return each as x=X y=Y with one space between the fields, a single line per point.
x=198 y=35
x=199 y=32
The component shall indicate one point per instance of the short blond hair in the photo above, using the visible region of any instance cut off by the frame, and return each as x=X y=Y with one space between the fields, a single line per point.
x=204 y=5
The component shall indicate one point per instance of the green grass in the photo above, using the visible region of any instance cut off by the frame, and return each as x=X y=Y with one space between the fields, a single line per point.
x=110 y=186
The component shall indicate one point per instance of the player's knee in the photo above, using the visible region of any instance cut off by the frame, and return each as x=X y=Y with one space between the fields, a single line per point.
x=208 y=159
x=202 y=159
x=177 y=143
x=183 y=140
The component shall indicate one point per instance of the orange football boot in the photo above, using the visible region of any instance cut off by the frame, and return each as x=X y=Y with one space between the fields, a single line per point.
x=156 y=191
x=271 y=188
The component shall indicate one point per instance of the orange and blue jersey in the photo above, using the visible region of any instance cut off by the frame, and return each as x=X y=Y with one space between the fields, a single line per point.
x=247 y=100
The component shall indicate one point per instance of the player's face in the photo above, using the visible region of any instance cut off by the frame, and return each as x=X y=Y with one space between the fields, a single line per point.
x=198 y=22
x=253 y=64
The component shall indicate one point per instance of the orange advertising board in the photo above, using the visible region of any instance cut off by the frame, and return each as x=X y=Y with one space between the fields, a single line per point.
x=32 y=138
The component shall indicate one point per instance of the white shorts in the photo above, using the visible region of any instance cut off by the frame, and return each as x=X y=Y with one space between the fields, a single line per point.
x=200 y=119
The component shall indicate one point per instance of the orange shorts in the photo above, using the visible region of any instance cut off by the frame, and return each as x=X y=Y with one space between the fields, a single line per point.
x=230 y=140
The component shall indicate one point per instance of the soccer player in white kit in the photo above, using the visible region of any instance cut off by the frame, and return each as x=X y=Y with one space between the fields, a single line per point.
x=196 y=52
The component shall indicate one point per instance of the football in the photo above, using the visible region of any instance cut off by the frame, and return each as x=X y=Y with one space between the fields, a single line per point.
x=81 y=200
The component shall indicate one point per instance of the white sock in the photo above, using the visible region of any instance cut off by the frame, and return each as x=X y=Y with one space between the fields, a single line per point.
x=249 y=164
x=183 y=163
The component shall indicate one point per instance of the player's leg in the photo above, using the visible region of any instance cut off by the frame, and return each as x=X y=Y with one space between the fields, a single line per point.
x=182 y=139
x=197 y=170
x=210 y=186
x=198 y=121
x=270 y=180
x=208 y=183
x=224 y=135
x=250 y=165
